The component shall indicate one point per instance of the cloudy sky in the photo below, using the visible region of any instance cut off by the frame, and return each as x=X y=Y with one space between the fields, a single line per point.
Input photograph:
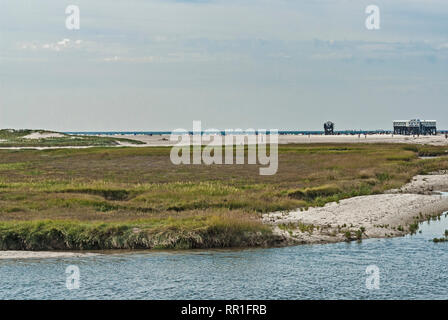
x=159 y=65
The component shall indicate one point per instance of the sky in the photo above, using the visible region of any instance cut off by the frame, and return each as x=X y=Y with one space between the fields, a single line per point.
x=266 y=64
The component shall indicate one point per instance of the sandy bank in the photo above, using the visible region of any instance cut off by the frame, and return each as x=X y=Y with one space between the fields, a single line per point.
x=374 y=216
x=425 y=184
x=42 y=254
x=378 y=216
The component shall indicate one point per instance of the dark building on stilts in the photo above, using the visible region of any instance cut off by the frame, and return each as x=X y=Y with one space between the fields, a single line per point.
x=329 y=128
x=415 y=127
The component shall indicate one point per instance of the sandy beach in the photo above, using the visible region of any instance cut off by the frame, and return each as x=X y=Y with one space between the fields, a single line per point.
x=164 y=140
x=438 y=140
x=11 y=254
x=372 y=216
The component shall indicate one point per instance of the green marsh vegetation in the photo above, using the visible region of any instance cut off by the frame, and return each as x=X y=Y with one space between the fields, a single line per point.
x=105 y=197
x=444 y=239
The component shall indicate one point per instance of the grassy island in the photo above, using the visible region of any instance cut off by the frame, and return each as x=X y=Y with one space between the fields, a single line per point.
x=124 y=198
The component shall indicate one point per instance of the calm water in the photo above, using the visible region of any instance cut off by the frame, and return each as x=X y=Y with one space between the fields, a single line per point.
x=411 y=267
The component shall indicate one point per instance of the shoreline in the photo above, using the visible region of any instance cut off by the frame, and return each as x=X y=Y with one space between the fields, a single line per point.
x=17 y=254
x=391 y=214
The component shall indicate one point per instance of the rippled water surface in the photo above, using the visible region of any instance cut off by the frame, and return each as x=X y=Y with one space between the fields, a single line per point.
x=410 y=267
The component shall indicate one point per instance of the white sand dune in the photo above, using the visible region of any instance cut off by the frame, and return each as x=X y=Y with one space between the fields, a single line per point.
x=43 y=135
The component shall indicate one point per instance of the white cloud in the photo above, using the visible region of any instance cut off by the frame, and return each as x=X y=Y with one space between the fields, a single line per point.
x=332 y=56
x=130 y=59
x=53 y=46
